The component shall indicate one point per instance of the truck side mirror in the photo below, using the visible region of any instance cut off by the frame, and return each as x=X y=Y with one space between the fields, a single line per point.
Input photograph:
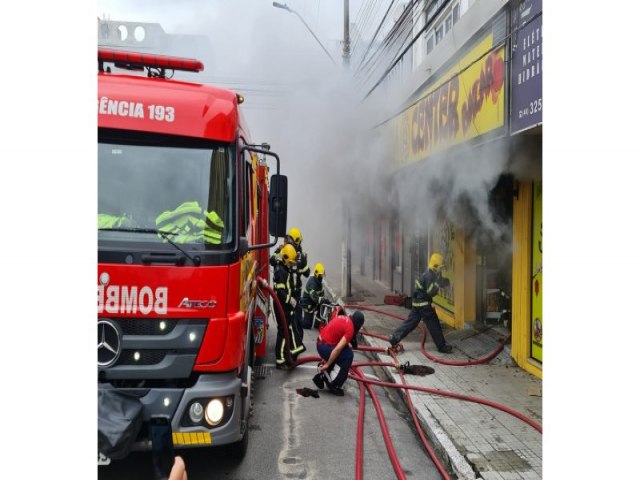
x=278 y=205
x=243 y=246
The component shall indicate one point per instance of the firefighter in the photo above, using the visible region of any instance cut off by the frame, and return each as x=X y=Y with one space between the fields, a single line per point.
x=312 y=296
x=300 y=269
x=283 y=280
x=333 y=346
x=427 y=286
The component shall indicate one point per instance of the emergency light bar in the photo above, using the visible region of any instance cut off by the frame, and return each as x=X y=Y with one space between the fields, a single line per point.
x=138 y=61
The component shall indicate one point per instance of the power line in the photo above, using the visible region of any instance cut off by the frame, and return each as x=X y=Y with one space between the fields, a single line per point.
x=398 y=58
x=376 y=34
x=403 y=27
x=507 y=36
x=393 y=34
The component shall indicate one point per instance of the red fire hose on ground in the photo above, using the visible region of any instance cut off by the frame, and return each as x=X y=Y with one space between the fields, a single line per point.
x=454 y=363
x=362 y=380
x=366 y=383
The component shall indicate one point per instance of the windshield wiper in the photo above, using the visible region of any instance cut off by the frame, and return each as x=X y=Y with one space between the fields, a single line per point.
x=196 y=260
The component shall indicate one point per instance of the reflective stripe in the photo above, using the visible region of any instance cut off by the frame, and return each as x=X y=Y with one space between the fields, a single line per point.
x=419 y=285
x=433 y=289
x=296 y=348
x=419 y=304
x=280 y=285
x=281 y=358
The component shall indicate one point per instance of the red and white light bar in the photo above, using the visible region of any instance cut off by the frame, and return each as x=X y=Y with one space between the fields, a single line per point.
x=134 y=59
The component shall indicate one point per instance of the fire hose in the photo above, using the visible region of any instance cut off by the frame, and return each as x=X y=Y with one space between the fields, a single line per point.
x=454 y=363
x=361 y=379
x=282 y=319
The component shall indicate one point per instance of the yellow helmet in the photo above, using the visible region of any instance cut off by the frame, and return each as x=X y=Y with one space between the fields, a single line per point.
x=295 y=236
x=288 y=254
x=436 y=262
x=318 y=270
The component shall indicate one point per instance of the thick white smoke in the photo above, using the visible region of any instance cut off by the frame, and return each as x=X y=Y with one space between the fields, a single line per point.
x=311 y=113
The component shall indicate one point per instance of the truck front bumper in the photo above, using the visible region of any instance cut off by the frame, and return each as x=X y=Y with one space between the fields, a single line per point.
x=175 y=403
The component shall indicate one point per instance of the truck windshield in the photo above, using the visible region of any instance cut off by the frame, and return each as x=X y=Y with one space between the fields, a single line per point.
x=179 y=189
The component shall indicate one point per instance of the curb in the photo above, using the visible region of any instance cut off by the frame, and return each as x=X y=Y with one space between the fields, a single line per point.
x=441 y=442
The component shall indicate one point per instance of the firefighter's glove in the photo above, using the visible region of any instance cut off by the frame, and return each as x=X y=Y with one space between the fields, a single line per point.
x=293 y=302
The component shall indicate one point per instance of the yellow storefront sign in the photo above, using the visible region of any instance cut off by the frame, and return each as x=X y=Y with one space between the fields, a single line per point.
x=466 y=102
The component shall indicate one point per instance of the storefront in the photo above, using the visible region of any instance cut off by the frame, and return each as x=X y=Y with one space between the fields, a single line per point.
x=467 y=109
x=526 y=131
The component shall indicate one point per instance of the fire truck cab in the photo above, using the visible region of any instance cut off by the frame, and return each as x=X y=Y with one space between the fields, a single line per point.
x=185 y=213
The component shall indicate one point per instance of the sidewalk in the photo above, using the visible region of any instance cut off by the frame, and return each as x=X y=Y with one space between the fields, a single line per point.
x=474 y=441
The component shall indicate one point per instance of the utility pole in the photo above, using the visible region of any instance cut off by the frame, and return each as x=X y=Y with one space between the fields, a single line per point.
x=346 y=56
x=346 y=45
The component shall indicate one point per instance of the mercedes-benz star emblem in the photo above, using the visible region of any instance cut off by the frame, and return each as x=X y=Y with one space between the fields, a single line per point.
x=109 y=343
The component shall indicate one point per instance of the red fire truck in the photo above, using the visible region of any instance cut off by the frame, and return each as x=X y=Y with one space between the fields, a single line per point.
x=185 y=213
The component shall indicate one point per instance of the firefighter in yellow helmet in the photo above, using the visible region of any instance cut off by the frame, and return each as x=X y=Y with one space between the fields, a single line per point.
x=283 y=281
x=313 y=295
x=426 y=287
x=300 y=269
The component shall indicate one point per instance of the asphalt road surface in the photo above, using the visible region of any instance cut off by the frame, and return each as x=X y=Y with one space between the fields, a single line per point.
x=295 y=437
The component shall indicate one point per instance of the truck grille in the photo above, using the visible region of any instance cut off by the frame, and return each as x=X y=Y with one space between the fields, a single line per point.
x=146 y=326
x=154 y=348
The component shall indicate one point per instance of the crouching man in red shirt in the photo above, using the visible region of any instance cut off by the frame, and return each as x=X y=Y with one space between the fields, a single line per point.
x=333 y=346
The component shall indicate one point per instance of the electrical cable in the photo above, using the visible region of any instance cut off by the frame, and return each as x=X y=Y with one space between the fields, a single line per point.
x=506 y=37
x=393 y=35
x=375 y=34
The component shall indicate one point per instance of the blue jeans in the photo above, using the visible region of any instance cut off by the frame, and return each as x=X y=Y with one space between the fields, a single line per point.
x=340 y=368
x=429 y=317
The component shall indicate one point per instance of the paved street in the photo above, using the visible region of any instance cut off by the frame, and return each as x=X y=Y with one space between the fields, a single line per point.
x=296 y=437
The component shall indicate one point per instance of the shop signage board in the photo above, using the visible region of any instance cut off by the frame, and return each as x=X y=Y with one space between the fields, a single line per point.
x=465 y=102
x=526 y=66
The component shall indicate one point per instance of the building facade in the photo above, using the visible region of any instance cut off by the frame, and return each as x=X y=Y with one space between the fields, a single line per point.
x=465 y=174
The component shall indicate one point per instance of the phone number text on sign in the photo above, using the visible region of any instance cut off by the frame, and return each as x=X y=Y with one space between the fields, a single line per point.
x=534 y=107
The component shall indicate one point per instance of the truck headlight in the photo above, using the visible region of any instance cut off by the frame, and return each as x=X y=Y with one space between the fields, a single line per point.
x=214 y=412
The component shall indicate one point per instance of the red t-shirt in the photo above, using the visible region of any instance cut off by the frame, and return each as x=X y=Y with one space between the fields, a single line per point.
x=340 y=326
